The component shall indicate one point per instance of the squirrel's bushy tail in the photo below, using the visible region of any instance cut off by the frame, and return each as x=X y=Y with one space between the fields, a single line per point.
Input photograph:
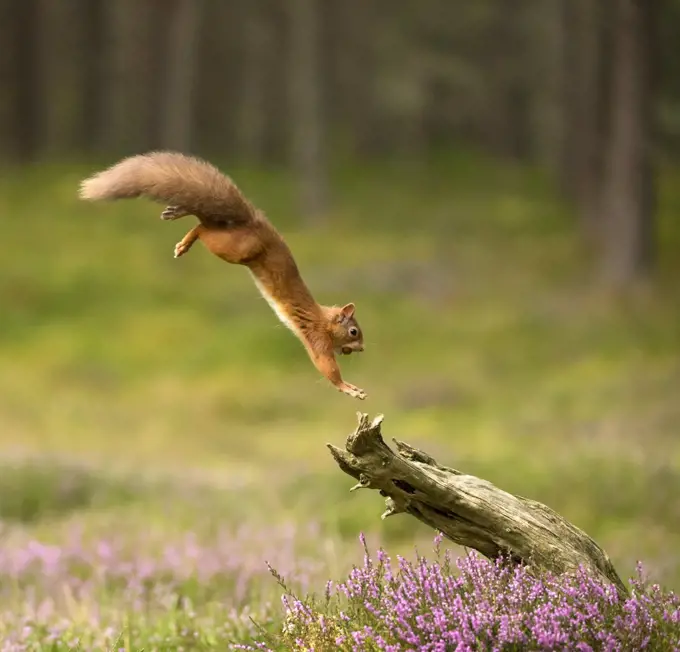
x=174 y=179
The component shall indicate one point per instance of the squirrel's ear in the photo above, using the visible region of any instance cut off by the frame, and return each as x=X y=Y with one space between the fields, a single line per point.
x=347 y=311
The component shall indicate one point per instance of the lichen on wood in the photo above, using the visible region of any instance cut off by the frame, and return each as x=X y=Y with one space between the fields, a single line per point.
x=466 y=509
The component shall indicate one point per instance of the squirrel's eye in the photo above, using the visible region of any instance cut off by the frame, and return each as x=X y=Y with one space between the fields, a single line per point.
x=353 y=332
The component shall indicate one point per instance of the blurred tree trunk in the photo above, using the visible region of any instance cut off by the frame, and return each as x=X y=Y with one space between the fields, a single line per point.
x=628 y=191
x=252 y=117
x=215 y=88
x=53 y=76
x=307 y=125
x=570 y=94
x=547 y=71
x=158 y=27
x=128 y=102
x=176 y=115
x=6 y=82
x=94 y=42
x=353 y=30
x=24 y=80
x=584 y=105
x=509 y=131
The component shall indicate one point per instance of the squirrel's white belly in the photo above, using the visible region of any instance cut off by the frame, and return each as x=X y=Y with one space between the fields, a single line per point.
x=275 y=306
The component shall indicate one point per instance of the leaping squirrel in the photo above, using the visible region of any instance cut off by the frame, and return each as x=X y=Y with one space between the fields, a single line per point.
x=233 y=229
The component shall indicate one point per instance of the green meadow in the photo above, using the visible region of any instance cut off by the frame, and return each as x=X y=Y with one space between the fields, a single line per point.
x=142 y=393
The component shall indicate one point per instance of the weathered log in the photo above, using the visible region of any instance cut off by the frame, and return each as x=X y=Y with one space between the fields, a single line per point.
x=468 y=510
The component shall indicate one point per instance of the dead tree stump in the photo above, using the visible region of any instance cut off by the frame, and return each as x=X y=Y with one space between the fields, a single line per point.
x=468 y=510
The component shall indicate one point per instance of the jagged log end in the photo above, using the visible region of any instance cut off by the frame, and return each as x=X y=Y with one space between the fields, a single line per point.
x=367 y=436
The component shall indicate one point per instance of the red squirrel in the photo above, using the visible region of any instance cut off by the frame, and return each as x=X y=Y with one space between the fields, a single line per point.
x=234 y=230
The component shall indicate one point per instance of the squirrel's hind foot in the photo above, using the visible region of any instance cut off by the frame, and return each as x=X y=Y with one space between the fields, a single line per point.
x=181 y=248
x=188 y=241
x=173 y=213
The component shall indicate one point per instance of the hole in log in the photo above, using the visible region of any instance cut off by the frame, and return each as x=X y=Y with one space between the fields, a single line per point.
x=404 y=486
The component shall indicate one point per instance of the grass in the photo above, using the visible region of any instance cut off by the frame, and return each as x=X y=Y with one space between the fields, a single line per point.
x=140 y=389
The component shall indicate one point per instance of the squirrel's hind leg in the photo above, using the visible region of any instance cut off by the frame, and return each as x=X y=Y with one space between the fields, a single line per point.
x=174 y=213
x=188 y=240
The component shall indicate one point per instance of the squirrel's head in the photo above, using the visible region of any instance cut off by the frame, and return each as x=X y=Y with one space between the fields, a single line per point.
x=345 y=330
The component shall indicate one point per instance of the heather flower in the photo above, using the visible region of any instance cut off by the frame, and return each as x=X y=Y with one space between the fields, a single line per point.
x=146 y=590
x=476 y=604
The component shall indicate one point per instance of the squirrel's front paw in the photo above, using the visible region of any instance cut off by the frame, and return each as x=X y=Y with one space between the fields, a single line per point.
x=353 y=391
